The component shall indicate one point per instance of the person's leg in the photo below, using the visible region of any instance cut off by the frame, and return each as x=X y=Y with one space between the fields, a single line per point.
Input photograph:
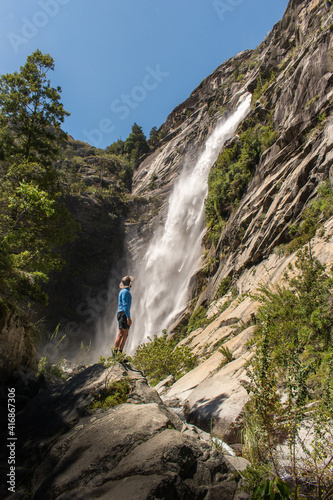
x=121 y=339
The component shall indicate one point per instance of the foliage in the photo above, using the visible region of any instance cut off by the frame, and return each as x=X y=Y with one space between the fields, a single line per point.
x=318 y=211
x=227 y=354
x=292 y=367
x=198 y=320
x=224 y=286
x=131 y=152
x=262 y=86
x=113 y=394
x=117 y=148
x=116 y=357
x=233 y=170
x=272 y=489
x=31 y=112
x=153 y=138
x=54 y=370
x=160 y=357
x=136 y=146
x=48 y=365
x=33 y=223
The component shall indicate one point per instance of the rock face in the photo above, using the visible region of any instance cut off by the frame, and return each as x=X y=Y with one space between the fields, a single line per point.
x=294 y=69
x=296 y=64
x=16 y=346
x=136 y=450
x=186 y=130
x=291 y=76
x=213 y=395
x=94 y=191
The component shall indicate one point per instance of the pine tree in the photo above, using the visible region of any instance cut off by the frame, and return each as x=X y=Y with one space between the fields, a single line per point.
x=32 y=220
x=136 y=145
x=31 y=112
x=153 y=137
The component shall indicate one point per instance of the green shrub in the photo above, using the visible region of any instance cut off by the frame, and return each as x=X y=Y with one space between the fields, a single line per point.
x=272 y=489
x=293 y=357
x=227 y=354
x=313 y=217
x=224 y=286
x=160 y=357
x=114 y=394
x=262 y=86
x=229 y=178
x=198 y=320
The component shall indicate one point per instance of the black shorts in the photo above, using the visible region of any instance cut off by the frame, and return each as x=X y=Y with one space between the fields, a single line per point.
x=122 y=320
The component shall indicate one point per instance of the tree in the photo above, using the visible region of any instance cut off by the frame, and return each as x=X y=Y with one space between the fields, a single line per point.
x=31 y=112
x=136 y=145
x=32 y=221
x=153 y=137
x=116 y=148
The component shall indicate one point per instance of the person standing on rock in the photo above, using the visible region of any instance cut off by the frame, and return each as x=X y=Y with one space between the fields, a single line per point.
x=124 y=313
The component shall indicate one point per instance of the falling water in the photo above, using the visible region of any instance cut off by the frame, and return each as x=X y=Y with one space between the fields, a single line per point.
x=161 y=287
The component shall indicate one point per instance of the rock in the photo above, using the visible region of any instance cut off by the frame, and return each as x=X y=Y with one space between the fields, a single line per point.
x=136 y=488
x=169 y=450
x=15 y=345
x=96 y=446
x=239 y=463
x=213 y=396
x=137 y=450
x=164 y=384
x=58 y=408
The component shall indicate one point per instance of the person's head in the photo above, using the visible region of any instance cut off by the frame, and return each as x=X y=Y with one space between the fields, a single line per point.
x=126 y=282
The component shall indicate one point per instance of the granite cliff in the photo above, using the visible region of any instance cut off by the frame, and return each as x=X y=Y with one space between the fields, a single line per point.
x=290 y=77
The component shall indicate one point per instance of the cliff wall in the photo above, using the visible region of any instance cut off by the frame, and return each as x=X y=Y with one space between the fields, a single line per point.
x=290 y=76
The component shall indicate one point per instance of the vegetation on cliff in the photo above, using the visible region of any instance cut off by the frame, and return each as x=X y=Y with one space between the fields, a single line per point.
x=316 y=213
x=233 y=170
x=291 y=374
x=160 y=357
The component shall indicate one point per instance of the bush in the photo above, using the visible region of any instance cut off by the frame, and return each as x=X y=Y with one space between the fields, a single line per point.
x=160 y=357
x=114 y=394
x=233 y=170
x=224 y=286
x=198 y=320
x=318 y=211
x=291 y=383
x=228 y=356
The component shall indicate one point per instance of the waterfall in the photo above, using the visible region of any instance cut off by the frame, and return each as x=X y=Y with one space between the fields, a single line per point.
x=161 y=287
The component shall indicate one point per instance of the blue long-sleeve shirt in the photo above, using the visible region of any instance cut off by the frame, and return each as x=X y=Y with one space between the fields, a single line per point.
x=125 y=301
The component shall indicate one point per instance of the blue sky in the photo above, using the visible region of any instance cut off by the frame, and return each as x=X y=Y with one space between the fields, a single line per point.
x=125 y=61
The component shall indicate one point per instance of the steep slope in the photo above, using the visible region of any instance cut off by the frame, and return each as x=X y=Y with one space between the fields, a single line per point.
x=290 y=77
x=294 y=79
x=126 y=448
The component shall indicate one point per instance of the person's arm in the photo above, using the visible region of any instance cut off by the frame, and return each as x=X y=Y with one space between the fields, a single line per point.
x=127 y=306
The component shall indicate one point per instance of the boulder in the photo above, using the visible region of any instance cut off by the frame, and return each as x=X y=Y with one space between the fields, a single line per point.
x=139 y=449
